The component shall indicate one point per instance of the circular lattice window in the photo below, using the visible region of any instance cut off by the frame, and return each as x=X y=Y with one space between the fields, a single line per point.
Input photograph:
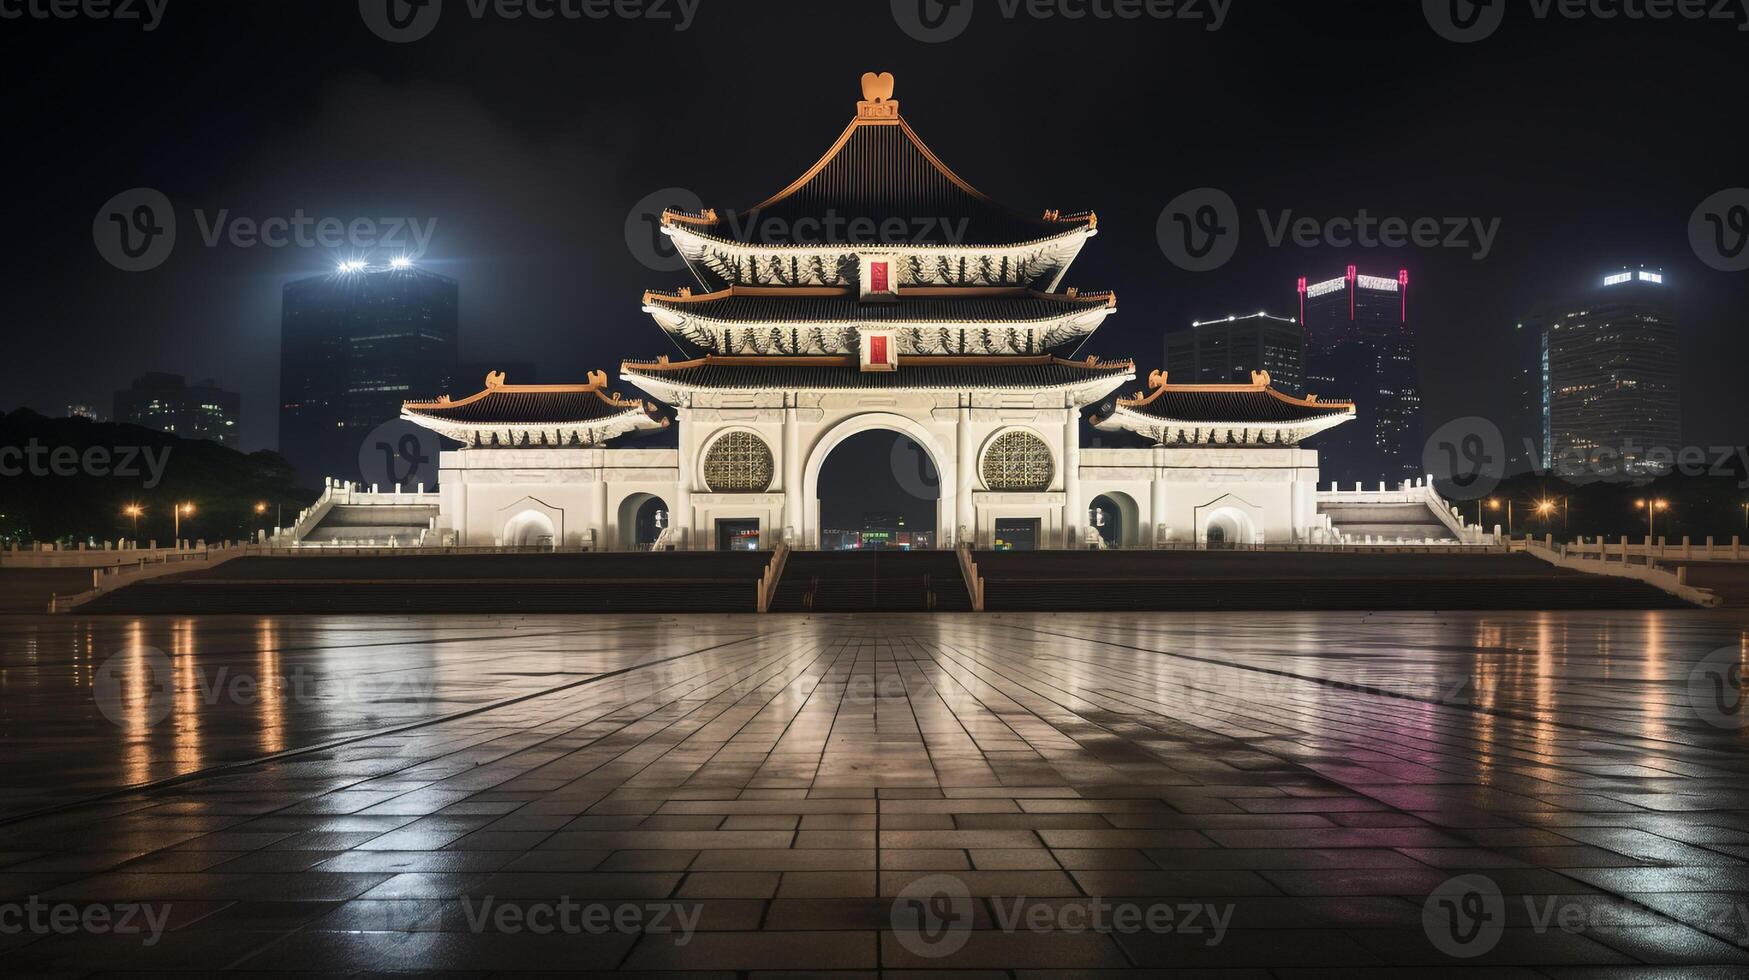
x=1018 y=461
x=739 y=461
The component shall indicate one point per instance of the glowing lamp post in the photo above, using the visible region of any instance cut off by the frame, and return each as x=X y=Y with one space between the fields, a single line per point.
x=1494 y=505
x=1652 y=507
x=1544 y=508
x=134 y=511
x=181 y=511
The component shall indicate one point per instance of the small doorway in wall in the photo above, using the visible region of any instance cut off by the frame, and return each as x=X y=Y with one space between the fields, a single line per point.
x=1017 y=534
x=738 y=534
x=1115 y=517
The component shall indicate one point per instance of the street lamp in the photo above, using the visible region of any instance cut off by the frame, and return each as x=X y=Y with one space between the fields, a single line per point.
x=134 y=511
x=1494 y=504
x=1544 y=508
x=181 y=510
x=1652 y=507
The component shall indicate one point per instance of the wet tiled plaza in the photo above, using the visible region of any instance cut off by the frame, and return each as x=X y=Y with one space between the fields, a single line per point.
x=999 y=795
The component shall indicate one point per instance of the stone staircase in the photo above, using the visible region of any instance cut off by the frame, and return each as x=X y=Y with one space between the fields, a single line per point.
x=620 y=582
x=1071 y=581
x=368 y=524
x=871 y=581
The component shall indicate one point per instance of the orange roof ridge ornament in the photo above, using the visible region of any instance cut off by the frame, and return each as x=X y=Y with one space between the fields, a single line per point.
x=596 y=381
x=1260 y=381
x=877 y=97
x=676 y=216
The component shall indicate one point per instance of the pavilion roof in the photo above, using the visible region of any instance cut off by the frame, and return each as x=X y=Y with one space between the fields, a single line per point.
x=749 y=304
x=1223 y=405
x=818 y=372
x=534 y=405
x=879 y=171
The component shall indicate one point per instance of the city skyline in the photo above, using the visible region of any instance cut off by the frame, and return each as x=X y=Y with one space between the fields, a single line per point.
x=553 y=278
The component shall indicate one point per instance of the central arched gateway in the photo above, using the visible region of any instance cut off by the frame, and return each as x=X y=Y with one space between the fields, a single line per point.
x=870 y=422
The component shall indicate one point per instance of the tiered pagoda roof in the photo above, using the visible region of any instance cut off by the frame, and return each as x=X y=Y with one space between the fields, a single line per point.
x=930 y=320
x=878 y=187
x=669 y=380
x=1252 y=414
x=514 y=416
x=879 y=267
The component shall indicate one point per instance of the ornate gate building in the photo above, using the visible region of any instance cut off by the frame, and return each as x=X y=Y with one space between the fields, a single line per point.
x=879 y=291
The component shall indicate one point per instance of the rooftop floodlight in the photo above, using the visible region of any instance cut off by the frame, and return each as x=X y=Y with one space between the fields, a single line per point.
x=400 y=262
x=351 y=265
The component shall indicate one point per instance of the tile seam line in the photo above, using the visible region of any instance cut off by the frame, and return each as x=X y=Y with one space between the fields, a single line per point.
x=243 y=764
x=1617 y=894
x=1363 y=689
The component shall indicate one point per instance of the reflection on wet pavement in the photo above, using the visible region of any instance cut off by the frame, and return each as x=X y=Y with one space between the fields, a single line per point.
x=1351 y=791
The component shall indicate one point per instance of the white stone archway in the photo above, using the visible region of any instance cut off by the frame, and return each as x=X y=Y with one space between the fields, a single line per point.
x=941 y=456
x=1227 y=522
x=531 y=523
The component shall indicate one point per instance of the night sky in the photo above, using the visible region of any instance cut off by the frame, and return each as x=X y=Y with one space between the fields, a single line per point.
x=530 y=141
